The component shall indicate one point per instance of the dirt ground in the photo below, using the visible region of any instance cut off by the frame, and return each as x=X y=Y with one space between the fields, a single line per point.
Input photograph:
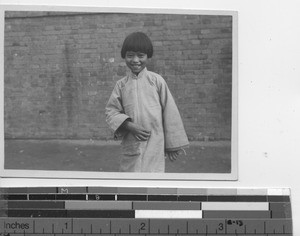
x=90 y=155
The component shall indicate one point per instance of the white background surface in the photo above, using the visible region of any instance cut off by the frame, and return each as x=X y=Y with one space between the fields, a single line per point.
x=269 y=95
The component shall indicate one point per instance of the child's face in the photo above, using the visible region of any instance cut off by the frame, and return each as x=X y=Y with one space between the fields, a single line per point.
x=136 y=61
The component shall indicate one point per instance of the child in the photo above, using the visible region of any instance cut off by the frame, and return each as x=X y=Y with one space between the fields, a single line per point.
x=142 y=111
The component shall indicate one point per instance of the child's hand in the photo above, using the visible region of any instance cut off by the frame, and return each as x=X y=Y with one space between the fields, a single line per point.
x=172 y=155
x=139 y=132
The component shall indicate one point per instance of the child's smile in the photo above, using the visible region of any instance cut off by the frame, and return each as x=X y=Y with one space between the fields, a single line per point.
x=136 y=61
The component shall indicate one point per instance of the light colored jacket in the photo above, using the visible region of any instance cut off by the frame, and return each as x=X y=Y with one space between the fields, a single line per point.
x=146 y=100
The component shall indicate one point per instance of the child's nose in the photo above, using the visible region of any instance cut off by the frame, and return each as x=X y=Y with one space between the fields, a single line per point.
x=135 y=58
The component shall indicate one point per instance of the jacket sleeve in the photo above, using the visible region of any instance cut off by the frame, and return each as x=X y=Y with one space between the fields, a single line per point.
x=175 y=135
x=115 y=115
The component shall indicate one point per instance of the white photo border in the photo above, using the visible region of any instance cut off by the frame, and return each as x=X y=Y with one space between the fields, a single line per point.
x=11 y=173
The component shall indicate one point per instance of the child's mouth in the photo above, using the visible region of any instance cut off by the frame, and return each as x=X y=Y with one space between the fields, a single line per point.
x=136 y=66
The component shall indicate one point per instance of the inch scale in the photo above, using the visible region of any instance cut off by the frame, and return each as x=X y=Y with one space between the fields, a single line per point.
x=87 y=211
x=92 y=226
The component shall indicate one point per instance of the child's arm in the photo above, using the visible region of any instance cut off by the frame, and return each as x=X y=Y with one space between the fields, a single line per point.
x=175 y=135
x=115 y=115
x=138 y=131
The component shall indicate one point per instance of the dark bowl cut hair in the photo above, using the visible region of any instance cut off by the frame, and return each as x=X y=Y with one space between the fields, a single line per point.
x=137 y=42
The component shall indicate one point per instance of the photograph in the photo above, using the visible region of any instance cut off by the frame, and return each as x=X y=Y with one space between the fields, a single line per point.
x=119 y=93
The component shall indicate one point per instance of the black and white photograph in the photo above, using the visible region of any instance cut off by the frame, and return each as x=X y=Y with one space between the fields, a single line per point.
x=120 y=93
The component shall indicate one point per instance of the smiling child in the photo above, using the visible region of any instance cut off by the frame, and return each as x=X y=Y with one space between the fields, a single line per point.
x=142 y=112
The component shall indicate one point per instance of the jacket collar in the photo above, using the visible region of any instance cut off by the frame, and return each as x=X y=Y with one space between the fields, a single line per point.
x=140 y=75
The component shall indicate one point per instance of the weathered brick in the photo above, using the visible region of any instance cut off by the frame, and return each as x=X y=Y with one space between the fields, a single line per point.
x=60 y=69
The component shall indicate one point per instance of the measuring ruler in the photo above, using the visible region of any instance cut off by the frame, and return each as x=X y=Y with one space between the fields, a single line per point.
x=144 y=211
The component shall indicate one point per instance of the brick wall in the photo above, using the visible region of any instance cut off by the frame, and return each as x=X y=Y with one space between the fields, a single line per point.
x=60 y=69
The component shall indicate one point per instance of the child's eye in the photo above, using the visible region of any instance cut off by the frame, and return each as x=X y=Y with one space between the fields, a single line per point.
x=141 y=55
